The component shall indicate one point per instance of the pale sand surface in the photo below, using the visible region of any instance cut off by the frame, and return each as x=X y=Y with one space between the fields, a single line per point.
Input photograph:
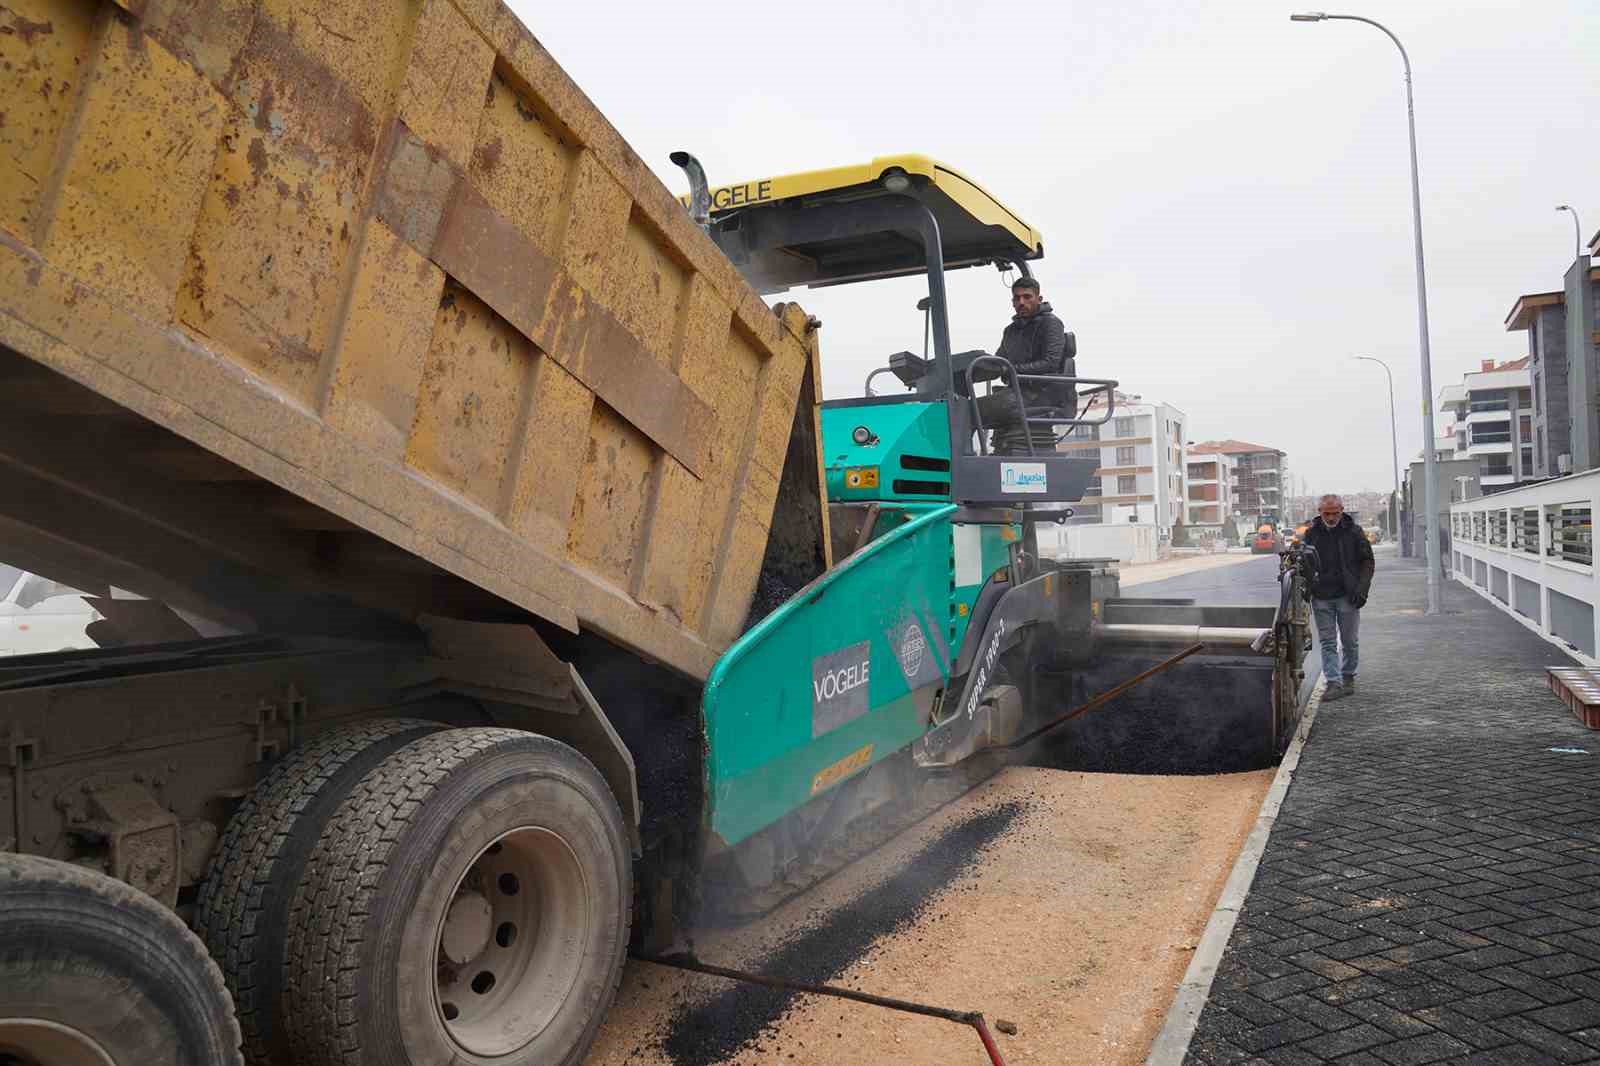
x=1076 y=922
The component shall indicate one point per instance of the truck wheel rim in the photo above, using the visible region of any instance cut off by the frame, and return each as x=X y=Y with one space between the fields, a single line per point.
x=510 y=947
x=40 y=1042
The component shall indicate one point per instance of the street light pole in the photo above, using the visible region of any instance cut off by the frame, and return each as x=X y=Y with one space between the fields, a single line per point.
x=1430 y=489
x=1577 y=231
x=1394 y=449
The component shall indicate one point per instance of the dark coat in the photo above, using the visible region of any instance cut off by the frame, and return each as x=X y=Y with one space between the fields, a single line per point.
x=1343 y=553
x=1038 y=345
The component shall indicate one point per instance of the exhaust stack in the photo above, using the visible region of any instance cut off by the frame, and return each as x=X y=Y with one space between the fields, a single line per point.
x=699 y=189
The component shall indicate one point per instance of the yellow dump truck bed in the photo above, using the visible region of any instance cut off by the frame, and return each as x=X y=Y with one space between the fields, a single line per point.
x=365 y=299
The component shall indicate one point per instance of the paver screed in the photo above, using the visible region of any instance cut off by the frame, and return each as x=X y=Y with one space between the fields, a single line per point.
x=1430 y=891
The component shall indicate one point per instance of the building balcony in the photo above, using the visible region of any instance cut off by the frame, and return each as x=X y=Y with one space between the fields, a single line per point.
x=1491 y=447
x=1478 y=416
x=1497 y=478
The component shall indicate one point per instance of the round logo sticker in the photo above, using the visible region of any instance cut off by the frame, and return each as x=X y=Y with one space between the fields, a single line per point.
x=912 y=649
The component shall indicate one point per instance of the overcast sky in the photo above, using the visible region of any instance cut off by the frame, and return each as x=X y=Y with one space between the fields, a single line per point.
x=1224 y=195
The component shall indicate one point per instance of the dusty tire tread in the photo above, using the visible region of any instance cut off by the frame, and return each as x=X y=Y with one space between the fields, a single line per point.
x=326 y=936
x=229 y=907
x=28 y=880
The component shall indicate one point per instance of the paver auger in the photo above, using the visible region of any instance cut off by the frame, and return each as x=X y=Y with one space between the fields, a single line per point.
x=941 y=640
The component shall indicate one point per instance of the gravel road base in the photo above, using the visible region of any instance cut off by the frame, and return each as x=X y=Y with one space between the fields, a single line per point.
x=1065 y=902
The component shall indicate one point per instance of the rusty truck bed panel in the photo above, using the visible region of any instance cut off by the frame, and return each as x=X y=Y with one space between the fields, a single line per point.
x=385 y=256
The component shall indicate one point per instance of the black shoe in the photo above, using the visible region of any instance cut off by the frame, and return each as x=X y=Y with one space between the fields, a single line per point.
x=1350 y=685
x=1333 y=692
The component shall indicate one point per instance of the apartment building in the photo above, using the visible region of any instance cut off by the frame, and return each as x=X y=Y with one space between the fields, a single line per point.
x=1564 y=368
x=1210 y=477
x=1490 y=417
x=1257 y=481
x=1141 y=473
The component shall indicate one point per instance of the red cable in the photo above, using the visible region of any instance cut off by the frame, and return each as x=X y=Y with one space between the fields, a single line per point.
x=988 y=1042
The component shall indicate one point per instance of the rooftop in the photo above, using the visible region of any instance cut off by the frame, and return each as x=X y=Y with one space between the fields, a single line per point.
x=1231 y=447
x=1521 y=315
x=1522 y=312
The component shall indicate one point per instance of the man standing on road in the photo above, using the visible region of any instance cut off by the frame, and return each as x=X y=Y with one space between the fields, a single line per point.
x=1344 y=577
x=1036 y=342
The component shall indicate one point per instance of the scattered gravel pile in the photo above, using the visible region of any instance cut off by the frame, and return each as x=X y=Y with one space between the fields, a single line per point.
x=708 y=1032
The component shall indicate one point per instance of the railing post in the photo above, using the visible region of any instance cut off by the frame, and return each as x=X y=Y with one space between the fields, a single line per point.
x=1594 y=585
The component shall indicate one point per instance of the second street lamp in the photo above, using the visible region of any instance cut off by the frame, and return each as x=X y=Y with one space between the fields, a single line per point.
x=1394 y=448
x=1430 y=490
x=1577 y=231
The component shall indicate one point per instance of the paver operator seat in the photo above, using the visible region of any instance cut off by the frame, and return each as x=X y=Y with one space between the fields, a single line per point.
x=907 y=215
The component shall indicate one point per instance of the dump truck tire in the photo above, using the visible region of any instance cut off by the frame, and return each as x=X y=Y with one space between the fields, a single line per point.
x=243 y=902
x=468 y=903
x=94 y=971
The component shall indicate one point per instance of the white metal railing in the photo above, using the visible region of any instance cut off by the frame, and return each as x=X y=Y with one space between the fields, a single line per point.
x=1525 y=529
x=1571 y=535
x=1530 y=550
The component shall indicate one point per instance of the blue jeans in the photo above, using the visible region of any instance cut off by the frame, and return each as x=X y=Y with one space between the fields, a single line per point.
x=1338 y=622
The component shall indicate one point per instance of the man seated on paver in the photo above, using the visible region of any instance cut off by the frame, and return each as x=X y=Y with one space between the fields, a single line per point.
x=1344 y=577
x=1036 y=342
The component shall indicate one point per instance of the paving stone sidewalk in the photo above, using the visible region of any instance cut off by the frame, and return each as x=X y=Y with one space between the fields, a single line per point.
x=1431 y=889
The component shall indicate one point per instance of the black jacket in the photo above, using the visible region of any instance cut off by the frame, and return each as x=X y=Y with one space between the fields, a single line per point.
x=1344 y=555
x=1038 y=345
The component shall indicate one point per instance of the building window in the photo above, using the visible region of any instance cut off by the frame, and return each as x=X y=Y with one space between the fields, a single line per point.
x=1527 y=462
x=1538 y=439
x=1535 y=392
x=1525 y=428
x=1124 y=427
x=1127 y=484
x=1125 y=455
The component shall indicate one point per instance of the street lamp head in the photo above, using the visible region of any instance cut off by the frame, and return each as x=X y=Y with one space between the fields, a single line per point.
x=1562 y=207
x=1308 y=16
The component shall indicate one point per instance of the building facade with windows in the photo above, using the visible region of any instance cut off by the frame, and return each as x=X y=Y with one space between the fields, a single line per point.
x=1490 y=416
x=1141 y=453
x=1209 y=499
x=1564 y=368
x=1257 y=480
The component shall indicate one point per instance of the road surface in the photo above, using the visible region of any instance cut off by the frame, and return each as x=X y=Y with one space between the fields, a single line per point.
x=1065 y=902
x=1253 y=580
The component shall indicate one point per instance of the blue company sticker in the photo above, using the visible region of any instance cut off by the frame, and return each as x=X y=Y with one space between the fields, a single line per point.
x=1022 y=477
x=839 y=687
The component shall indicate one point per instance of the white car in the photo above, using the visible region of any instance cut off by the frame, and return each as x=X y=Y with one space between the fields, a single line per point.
x=41 y=615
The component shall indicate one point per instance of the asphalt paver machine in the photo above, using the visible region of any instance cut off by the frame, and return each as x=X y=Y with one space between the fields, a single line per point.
x=941 y=642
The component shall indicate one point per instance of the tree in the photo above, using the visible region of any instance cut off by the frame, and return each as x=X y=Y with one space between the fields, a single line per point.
x=1230 y=530
x=1180 y=536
